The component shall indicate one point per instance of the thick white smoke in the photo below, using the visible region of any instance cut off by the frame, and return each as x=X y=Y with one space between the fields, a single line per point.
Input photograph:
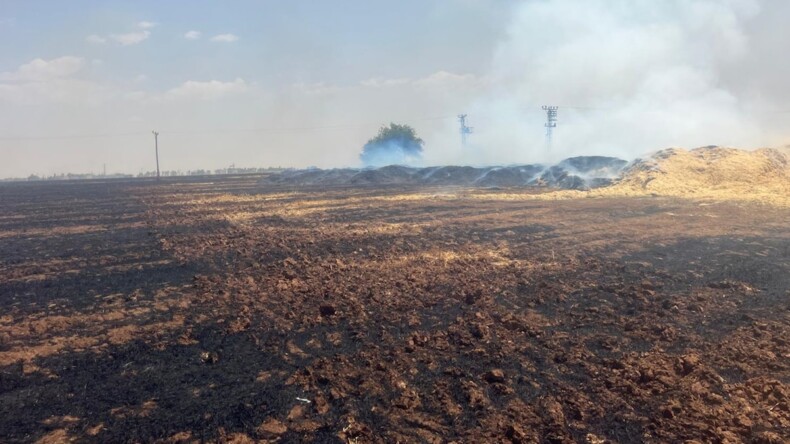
x=629 y=76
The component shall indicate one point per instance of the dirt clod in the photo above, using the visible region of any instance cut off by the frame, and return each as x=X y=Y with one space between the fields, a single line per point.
x=209 y=357
x=327 y=310
x=272 y=427
x=495 y=375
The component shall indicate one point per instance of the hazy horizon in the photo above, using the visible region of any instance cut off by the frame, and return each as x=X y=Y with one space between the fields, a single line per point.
x=297 y=84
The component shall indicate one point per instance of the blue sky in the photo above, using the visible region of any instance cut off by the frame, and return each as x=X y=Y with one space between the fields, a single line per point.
x=278 y=41
x=233 y=65
x=298 y=83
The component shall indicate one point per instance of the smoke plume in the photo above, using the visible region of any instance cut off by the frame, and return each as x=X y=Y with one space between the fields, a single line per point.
x=629 y=77
x=394 y=145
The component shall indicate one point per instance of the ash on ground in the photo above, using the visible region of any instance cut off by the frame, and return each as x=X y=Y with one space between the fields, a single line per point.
x=576 y=173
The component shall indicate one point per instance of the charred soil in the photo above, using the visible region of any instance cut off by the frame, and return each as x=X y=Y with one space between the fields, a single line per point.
x=222 y=311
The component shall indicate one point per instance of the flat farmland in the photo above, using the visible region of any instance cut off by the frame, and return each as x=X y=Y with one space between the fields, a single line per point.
x=217 y=309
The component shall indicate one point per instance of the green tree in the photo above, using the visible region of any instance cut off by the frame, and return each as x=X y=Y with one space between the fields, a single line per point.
x=394 y=144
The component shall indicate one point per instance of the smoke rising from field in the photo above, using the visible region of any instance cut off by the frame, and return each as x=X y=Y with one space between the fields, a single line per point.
x=629 y=77
x=389 y=153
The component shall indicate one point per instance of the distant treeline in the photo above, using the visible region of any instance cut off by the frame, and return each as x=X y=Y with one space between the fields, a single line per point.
x=171 y=173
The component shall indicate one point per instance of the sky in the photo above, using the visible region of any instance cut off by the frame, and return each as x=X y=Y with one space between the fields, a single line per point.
x=307 y=83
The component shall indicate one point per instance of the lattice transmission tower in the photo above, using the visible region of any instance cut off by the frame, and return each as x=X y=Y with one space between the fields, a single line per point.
x=551 y=122
x=464 y=130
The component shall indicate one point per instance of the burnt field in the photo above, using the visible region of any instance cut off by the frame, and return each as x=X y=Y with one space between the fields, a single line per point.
x=222 y=310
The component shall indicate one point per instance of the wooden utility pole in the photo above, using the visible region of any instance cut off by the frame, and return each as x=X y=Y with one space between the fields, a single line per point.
x=156 y=145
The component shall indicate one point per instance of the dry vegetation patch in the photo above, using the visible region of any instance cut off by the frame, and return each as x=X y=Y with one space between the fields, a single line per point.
x=395 y=315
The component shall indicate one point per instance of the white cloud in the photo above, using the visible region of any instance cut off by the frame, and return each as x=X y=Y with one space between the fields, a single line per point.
x=45 y=82
x=126 y=39
x=57 y=80
x=131 y=38
x=95 y=39
x=192 y=35
x=225 y=38
x=380 y=82
x=439 y=79
x=212 y=89
x=40 y=70
x=445 y=79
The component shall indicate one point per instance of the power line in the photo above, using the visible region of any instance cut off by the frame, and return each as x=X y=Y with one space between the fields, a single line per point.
x=465 y=130
x=72 y=136
x=587 y=108
x=285 y=130
x=551 y=122
x=292 y=129
x=216 y=131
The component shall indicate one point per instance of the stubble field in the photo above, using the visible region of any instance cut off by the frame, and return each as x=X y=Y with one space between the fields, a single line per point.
x=216 y=309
